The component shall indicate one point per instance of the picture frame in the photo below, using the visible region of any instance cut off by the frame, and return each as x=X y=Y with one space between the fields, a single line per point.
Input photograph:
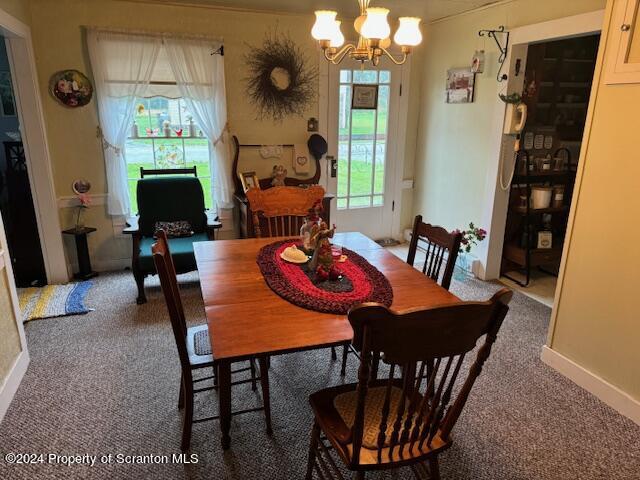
x=71 y=88
x=7 y=100
x=249 y=180
x=364 y=97
x=460 y=86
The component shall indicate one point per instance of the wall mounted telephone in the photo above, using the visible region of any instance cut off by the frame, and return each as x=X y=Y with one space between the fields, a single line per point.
x=516 y=118
x=515 y=121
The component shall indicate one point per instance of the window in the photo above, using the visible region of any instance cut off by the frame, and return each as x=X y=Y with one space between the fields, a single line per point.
x=149 y=146
x=362 y=142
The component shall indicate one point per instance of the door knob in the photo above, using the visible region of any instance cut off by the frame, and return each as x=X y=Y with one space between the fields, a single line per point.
x=625 y=27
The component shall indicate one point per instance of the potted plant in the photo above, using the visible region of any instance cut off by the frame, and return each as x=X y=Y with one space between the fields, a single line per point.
x=470 y=238
x=85 y=202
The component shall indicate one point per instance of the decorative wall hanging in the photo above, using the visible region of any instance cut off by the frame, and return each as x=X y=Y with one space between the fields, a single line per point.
x=365 y=97
x=281 y=82
x=460 y=85
x=71 y=88
x=503 y=46
x=477 y=62
x=80 y=186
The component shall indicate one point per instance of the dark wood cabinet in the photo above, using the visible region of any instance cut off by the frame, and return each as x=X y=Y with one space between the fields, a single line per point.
x=246 y=215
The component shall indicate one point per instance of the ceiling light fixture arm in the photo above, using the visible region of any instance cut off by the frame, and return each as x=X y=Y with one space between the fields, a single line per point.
x=401 y=60
x=336 y=56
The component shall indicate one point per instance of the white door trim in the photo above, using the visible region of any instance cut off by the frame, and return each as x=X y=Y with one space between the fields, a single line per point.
x=34 y=138
x=401 y=144
x=19 y=368
x=495 y=204
x=10 y=386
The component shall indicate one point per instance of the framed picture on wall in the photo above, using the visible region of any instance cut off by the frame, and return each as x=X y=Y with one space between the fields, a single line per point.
x=365 y=97
x=7 y=102
x=249 y=180
x=460 y=85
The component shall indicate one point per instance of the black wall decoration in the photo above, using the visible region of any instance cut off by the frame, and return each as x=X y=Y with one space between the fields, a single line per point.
x=281 y=82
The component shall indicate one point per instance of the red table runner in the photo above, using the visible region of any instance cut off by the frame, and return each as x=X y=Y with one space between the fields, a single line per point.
x=361 y=282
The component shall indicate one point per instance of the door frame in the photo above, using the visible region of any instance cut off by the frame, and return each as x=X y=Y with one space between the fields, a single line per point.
x=496 y=202
x=397 y=173
x=34 y=138
x=10 y=385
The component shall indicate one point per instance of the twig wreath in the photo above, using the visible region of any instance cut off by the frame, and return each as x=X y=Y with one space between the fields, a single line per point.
x=281 y=82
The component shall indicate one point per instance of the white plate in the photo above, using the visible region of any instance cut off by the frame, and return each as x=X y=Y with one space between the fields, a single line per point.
x=287 y=259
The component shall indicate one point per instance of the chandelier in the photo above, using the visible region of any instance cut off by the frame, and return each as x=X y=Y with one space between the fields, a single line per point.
x=374 y=33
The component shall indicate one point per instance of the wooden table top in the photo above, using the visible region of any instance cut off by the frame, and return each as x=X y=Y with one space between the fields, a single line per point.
x=246 y=318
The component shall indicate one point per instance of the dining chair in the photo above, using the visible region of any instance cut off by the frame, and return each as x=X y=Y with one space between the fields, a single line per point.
x=280 y=211
x=194 y=349
x=440 y=248
x=436 y=243
x=405 y=418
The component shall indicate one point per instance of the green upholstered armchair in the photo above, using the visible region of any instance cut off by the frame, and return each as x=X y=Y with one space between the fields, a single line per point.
x=167 y=199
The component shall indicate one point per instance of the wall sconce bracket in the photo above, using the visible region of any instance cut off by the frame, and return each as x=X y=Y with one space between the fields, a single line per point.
x=503 y=46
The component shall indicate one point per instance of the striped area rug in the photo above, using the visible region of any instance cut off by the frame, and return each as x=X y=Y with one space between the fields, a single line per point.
x=53 y=301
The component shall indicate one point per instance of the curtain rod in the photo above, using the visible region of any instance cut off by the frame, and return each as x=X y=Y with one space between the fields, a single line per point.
x=151 y=33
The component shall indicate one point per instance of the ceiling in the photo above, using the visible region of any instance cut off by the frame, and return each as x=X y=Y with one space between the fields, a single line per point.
x=427 y=9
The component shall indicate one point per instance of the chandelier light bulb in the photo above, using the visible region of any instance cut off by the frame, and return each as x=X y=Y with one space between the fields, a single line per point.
x=408 y=34
x=337 y=38
x=376 y=26
x=325 y=26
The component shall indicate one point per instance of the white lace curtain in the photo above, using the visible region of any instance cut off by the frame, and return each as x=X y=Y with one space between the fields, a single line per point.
x=123 y=66
x=200 y=78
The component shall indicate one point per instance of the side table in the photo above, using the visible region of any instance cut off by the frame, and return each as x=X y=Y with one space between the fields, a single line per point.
x=82 y=248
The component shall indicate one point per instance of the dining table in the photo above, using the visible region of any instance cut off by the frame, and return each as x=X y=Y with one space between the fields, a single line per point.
x=247 y=320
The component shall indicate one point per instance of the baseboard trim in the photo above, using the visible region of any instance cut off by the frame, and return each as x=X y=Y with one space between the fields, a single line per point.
x=105 y=265
x=620 y=401
x=11 y=384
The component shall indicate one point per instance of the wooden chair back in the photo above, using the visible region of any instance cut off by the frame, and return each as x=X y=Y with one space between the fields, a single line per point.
x=169 y=283
x=282 y=208
x=436 y=243
x=168 y=171
x=428 y=348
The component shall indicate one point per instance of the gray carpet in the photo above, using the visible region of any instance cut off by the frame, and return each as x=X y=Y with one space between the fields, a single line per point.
x=107 y=383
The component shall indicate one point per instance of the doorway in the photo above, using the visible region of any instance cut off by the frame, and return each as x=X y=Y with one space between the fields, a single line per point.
x=556 y=89
x=363 y=122
x=16 y=199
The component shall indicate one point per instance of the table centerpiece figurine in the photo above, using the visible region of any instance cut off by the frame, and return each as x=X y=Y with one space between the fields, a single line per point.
x=307 y=230
x=322 y=259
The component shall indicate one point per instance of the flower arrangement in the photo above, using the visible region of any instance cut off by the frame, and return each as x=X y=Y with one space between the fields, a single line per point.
x=85 y=202
x=471 y=237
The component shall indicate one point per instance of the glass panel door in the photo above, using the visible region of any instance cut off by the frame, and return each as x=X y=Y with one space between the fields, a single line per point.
x=363 y=123
x=362 y=140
